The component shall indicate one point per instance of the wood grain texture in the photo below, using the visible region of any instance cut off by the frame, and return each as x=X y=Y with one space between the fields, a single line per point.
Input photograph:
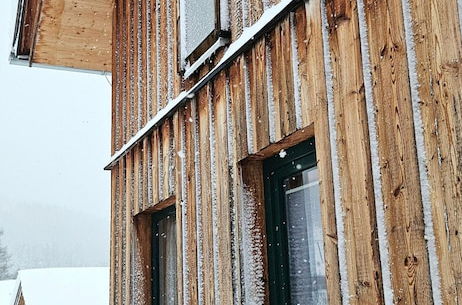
x=136 y=83
x=306 y=32
x=166 y=158
x=130 y=200
x=364 y=275
x=129 y=83
x=238 y=105
x=75 y=34
x=258 y=95
x=177 y=127
x=155 y=142
x=206 y=197
x=151 y=54
x=143 y=73
x=162 y=64
x=191 y=247
x=225 y=293
x=146 y=174
x=438 y=47
x=397 y=153
x=313 y=76
x=113 y=241
x=143 y=236
x=137 y=180
x=283 y=89
x=225 y=164
x=120 y=228
x=115 y=94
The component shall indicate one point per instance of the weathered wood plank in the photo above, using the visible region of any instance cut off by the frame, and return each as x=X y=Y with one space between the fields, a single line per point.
x=177 y=78
x=151 y=56
x=146 y=174
x=207 y=234
x=258 y=95
x=438 y=48
x=235 y=19
x=396 y=145
x=283 y=89
x=313 y=75
x=177 y=127
x=123 y=71
x=115 y=80
x=171 y=160
x=120 y=229
x=137 y=179
x=128 y=207
x=255 y=10
x=238 y=105
x=142 y=75
x=162 y=64
x=130 y=108
x=155 y=165
x=142 y=227
x=191 y=247
x=166 y=157
x=113 y=237
x=364 y=275
x=253 y=185
x=225 y=293
x=306 y=31
x=135 y=82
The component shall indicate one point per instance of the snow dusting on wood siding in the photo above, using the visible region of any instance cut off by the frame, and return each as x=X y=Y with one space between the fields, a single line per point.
x=387 y=122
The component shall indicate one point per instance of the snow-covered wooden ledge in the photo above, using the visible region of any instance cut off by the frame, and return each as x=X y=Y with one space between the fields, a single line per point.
x=247 y=39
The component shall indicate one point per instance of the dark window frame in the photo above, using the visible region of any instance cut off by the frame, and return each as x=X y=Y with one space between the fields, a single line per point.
x=156 y=218
x=275 y=170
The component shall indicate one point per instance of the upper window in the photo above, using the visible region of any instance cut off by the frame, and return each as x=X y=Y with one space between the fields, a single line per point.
x=203 y=22
x=294 y=227
x=164 y=259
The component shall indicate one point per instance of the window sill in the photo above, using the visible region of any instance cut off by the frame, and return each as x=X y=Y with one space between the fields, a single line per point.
x=221 y=42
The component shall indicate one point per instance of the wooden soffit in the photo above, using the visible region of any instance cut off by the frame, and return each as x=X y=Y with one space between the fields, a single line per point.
x=72 y=34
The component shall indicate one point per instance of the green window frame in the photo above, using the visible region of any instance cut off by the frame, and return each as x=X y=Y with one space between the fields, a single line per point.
x=156 y=235
x=278 y=169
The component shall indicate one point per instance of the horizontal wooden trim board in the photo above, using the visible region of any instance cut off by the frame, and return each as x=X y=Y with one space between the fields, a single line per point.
x=251 y=34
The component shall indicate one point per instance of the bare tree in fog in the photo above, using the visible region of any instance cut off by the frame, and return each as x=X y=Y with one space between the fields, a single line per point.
x=5 y=269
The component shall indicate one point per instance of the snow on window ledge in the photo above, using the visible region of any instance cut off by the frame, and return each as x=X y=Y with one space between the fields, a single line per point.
x=221 y=42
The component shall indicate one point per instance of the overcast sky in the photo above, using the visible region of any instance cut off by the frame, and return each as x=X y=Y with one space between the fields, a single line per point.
x=54 y=134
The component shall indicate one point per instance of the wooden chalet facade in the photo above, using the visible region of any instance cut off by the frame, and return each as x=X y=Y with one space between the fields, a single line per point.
x=234 y=120
x=377 y=84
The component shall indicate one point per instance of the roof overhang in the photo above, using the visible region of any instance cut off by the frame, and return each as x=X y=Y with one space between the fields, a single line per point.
x=65 y=34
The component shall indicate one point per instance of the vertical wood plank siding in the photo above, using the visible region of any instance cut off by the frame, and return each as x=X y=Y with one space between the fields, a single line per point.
x=396 y=97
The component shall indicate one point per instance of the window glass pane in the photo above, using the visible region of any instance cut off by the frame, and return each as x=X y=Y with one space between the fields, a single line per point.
x=305 y=241
x=199 y=22
x=167 y=261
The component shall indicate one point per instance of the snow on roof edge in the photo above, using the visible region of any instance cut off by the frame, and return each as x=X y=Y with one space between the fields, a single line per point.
x=71 y=286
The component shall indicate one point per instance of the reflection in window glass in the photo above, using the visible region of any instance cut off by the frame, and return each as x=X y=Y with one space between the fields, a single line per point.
x=305 y=241
x=167 y=261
